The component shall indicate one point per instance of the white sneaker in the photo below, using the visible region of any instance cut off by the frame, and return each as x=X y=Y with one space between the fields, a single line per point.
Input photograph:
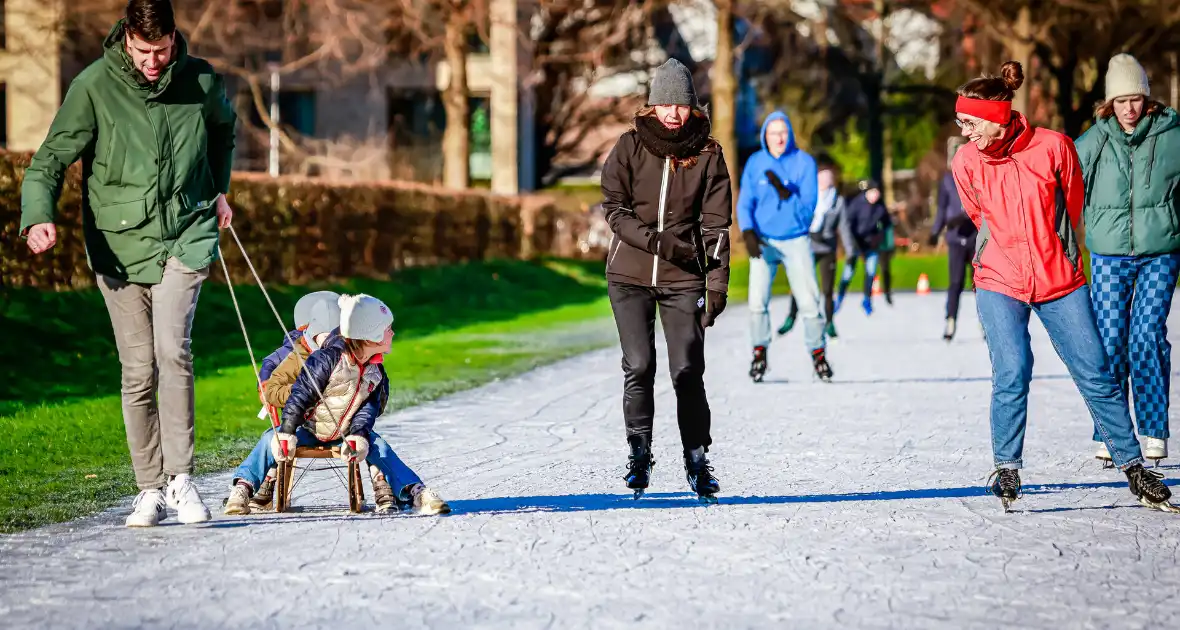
x=182 y=496
x=238 y=502
x=1102 y=453
x=427 y=502
x=1155 y=448
x=148 y=509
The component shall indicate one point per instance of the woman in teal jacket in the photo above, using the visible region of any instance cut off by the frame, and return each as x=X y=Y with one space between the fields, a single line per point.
x=1131 y=164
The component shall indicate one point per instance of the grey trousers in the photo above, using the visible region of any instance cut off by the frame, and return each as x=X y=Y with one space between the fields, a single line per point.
x=153 y=331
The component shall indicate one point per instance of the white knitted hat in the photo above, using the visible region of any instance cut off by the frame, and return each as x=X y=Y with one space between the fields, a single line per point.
x=364 y=317
x=306 y=303
x=1125 y=77
x=325 y=317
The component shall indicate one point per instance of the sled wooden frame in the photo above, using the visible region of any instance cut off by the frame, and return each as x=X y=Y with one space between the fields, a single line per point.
x=286 y=481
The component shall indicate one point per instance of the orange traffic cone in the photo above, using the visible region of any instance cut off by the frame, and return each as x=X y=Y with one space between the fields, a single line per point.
x=923 y=284
x=877 y=285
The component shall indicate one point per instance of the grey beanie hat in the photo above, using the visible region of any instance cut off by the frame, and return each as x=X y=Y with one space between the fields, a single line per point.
x=672 y=85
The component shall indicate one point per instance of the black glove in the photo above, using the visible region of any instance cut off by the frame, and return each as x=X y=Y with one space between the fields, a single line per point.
x=933 y=240
x=672 y=248
x=753 y=245
x=714 y=304
x=784 y=193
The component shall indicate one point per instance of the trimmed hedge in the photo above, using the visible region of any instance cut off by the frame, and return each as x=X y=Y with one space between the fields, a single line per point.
x=297 y=230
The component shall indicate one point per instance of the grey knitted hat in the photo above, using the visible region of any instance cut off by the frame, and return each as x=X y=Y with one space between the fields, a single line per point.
x=672 y=85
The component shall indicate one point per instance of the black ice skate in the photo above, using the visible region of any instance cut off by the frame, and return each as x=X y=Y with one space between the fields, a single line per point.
x=639 y=464
x=819 y=360
x=1006 y=486
x=700 y=475
x=1148 y=486
x=758 y=365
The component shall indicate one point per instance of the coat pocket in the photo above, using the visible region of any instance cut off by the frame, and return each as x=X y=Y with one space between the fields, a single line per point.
x=120 y=217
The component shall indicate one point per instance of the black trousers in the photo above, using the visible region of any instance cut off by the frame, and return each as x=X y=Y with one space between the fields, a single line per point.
x=885 y=268
x=826 y=263
x=634 y=308
x=959 y=257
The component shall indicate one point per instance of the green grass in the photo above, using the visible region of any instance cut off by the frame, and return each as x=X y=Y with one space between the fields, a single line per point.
x=458 y=326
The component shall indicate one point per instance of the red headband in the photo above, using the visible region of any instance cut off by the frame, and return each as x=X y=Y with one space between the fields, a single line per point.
x=999 y=112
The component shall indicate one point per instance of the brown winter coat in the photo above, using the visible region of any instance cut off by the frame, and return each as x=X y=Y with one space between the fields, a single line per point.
x=645 y=194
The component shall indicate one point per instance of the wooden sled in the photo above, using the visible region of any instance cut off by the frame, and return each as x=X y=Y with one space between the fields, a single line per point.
x=286 y=478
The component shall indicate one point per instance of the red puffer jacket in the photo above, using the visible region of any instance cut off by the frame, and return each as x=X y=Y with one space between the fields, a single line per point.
x=1026 y=198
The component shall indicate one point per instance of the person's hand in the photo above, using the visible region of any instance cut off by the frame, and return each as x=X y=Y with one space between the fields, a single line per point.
x=42 y=237
x=673 y=248
x=225 y=214
x=282 y=446
x=753 y=245
x=714 y=304
x=354 y=448
x=784 y=191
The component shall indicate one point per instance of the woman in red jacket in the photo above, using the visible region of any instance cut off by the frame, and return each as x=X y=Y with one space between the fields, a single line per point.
x=1022 y=186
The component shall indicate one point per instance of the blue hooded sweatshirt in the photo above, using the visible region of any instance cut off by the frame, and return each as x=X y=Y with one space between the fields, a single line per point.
x=758 y=205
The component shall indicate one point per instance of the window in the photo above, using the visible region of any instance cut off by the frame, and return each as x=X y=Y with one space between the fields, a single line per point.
x=296 y=111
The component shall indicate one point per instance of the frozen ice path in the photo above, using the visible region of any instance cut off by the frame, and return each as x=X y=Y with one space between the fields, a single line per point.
x=856 y=504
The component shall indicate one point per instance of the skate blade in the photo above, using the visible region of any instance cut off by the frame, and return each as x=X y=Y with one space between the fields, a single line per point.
x=1163 y=506
x=1007 y=503
x=639 y=494
x=1155 y=461
x=707 y=499
x=1107 y=464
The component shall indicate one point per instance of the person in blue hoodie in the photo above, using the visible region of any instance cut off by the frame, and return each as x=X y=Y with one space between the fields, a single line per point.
x=775 y=207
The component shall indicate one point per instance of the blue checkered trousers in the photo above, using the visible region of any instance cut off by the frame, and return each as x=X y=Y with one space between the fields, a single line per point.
x=1132 y=297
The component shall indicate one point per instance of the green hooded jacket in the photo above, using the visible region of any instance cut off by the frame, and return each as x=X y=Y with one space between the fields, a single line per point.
x=1132 y=201
x=154 y=159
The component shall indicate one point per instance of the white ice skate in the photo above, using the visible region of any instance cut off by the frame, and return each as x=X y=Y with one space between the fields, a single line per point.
x=1155 y=449
x=1103 y=455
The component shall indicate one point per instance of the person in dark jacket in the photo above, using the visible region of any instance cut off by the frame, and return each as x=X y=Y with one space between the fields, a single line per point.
x=667 y=198
x=867 y=223
x=960 y=242
x=826 y=225
x=1131 y=164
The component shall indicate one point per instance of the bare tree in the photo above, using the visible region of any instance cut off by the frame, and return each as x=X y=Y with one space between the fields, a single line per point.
x=577 y=43
x=447 y=26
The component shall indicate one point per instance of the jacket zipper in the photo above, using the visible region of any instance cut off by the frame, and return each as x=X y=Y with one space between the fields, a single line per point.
x=345 y=415
x=1131 y=211
x=655 y=263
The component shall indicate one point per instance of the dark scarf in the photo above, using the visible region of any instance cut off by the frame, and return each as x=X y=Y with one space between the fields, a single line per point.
x=683 y=143
x=1004 y=147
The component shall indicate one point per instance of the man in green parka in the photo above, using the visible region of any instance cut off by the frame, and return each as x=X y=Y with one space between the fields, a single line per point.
x=1131 y=166
x=155 y=134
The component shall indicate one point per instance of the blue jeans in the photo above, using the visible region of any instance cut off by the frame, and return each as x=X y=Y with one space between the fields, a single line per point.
x=1132 y=298
x=850 y=269
x=1070 y=323
x=795 y=255
x=253 y=470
